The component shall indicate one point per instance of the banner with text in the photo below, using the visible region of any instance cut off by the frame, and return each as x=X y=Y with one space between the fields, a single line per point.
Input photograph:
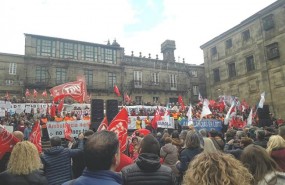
x=208 y=124
x=57 y=128
x=167 y=122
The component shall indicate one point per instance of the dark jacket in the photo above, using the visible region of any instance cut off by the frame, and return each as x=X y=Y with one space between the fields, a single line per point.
x=236 y=152
x=148 y=171
x=57 y=163
x=102 y=177
x=186 y=157
x=35 y=178
x=218 y=142
x=78 y=161
x=262 y=143
x=4 y=161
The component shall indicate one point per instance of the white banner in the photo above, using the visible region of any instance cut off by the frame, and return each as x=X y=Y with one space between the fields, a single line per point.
x=57 y=128
x=167 y=122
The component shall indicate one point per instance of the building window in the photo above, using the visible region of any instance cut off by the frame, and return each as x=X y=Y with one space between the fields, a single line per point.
x=12 y=68
x=155 y=78
x=112 y=80
x=232 y=70
x=88 y=77
x=229 y=43
x=108 y=56
x=268 y=22
x=195 y=90
x=214 y=51
x=45 y=48
x=60 y=75
x=246 y=35
x=216 y=75
x=41 y=74
x=138 y=100
x=250 y=63
x=173 y=81
x=194 y=73
x=272 y=51
x=89 y=53
x=138 y=79
x=9 y=82
x=68 y=50
x=155 y=99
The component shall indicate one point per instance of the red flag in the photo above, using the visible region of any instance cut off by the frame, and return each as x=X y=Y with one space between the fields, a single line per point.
x=7 y=96
x=180 y=101
x=44 y=93
x=7 y=141
x=157 y=117
x=127 y=98
x=119 y=125
x=67 y=132
x=27 y=92
x=35 y=93
x=116 y=90
x=60 y=106
x=35 y=136
x=103 y=125
x=52 y=110
x=73 y=89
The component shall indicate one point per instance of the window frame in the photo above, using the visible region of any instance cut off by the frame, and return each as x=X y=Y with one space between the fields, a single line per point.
x=272 y=51
x=61 y=75
x=232 y=69
x=12 y=68
x=216 y=74
x=249 y=61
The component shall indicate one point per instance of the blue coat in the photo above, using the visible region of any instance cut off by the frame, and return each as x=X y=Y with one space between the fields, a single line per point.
x=102 y=177
x=57 y=163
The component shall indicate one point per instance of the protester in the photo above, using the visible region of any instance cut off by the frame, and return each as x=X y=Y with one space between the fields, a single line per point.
x=27 y=130
x=78 y=161
x=216 y=169
x=260 y=138
x=147 y=169
x=134 y=147
x=4 y=161
x=236 y=152
x=24 y=166
x=208 y=145
x=281 y=131
x=169 y=154
x=192 y=148
x=57 y=161
x=176 y=140
x=264 y=169
x=138 y=123
x=217 y=140
x=276 y=149
x=102 y=156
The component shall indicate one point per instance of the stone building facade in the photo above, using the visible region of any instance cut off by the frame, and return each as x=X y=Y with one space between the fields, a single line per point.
x=249 y=59
x=50 y=61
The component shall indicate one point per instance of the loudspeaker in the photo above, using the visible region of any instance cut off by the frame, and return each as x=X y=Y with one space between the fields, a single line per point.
x=264 y=112
x=112 y=109
x=97 y=113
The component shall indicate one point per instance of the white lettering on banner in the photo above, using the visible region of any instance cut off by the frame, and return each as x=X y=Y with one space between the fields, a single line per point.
x=57 y=128
x=167 y=122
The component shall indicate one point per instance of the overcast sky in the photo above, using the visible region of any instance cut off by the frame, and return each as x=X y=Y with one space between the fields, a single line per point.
x=137 y=25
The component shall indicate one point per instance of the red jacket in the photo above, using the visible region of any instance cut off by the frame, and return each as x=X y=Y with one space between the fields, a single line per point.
x=279 y=157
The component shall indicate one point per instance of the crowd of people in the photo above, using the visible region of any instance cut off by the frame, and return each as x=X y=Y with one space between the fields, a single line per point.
x=249 y=155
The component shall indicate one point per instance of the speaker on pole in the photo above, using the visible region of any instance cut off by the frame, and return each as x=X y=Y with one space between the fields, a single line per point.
x=112 y=109
x=97 y=113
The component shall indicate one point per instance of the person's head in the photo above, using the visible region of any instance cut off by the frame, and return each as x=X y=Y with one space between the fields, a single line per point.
x=175 y=134
x=240 y=134
x=203 y=132
x=137 y=134
x=55 y=141
x=149 y=144
x=260 y=134
x=192 y=140
x=245 y=141
x=275 y=142
x=24 y=159
x=88 y=133
x=19 y=135
x=258 y=162
x=102 y=151
x=281 y=131
x=183 y=134
x=135 y=140
x=213 y=133
x=216 y=169
x=168 y=140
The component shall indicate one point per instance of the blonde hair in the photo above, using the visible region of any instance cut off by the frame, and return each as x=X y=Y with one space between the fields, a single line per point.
x=216 y=168
x=24 y=159
x=275 y=142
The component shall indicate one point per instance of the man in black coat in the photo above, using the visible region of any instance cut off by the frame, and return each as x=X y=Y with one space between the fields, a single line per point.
x=147 y=170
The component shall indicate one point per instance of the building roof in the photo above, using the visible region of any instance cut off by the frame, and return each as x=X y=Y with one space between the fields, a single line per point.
x=255 y=16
